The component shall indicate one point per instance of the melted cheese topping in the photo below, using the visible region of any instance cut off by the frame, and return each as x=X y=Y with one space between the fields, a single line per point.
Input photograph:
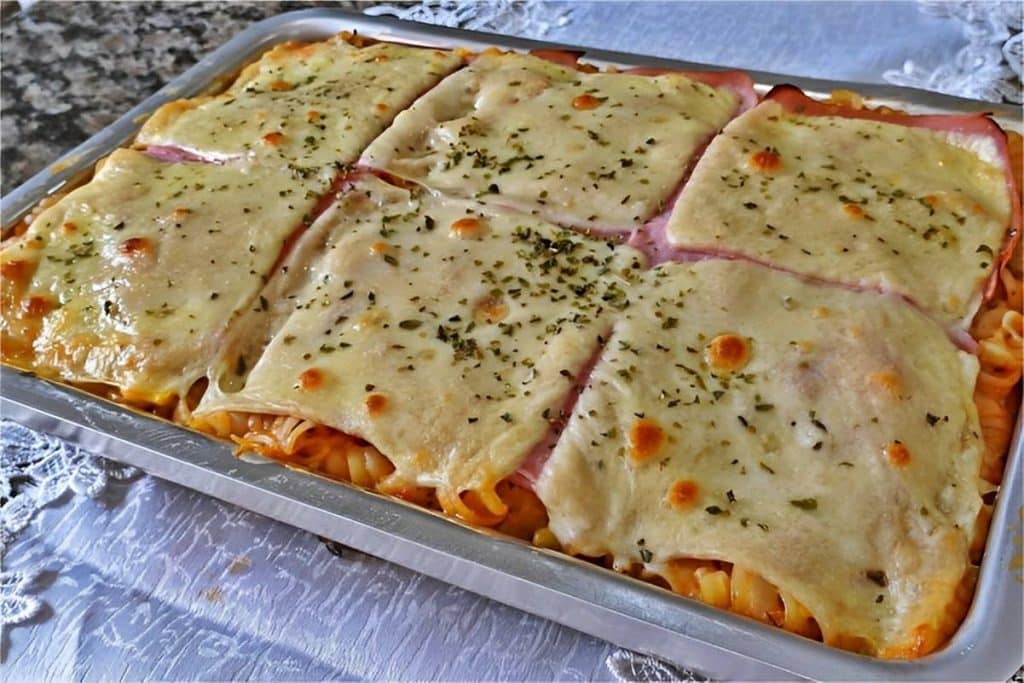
x=447 y=348
x=586 y=150
x=311 y=104
x=861 y=202
x=133 y=278
x=838 y=462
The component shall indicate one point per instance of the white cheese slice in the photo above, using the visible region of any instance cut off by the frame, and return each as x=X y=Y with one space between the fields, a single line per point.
x=313 y=104
x=133 y=278
x=588 y=150
x=445 y=333
x=879 y=205
x=839 y=460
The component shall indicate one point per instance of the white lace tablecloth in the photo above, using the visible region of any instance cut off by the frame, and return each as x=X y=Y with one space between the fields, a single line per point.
x=110 y=574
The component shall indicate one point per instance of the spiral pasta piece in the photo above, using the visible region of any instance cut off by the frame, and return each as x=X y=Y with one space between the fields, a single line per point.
x=999 y=331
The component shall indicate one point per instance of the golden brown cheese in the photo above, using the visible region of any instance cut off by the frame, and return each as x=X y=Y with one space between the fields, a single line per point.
x=133 y=278
x=592 y=150
x=863 y=202
x=312 y=105
x=445 y=333
x=821 y=438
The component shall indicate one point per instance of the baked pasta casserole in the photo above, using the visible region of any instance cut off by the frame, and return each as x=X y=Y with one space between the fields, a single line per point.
x=763 y=351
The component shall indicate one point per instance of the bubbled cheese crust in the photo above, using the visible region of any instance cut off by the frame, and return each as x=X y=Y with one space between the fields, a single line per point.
x=137 y=275
x=862 y=202
x=596 y=150
x=444 y=333
x=311 y=105
x=823 y=438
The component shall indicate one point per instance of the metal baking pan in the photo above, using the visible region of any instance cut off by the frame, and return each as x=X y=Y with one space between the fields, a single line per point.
x=622 y=610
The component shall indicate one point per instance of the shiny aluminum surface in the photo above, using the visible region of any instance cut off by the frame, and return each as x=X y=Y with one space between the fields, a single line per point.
x=619 y=609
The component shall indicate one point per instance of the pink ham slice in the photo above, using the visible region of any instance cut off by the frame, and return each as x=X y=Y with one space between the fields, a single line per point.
x=738 y=82
x=796 y=101
x=569 y=58
x=175 y=155
x=341 y=182
x=531 y=467
x=651 y=239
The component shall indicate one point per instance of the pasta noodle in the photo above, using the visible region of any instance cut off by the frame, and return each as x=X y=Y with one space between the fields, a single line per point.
x=300 y=443
x=304 y=444
x=999 y=331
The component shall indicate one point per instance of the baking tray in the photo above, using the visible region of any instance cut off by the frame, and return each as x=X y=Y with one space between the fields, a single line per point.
x=622 y=610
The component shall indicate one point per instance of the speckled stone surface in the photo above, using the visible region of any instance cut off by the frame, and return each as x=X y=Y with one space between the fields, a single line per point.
x=69 y=69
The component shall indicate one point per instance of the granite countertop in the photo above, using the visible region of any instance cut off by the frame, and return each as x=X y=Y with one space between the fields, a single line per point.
x=70 y=69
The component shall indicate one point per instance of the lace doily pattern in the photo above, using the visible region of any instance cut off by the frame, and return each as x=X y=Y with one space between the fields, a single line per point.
x=530 y=19
x=15 y=605
x=988 y=67
x=36 y=470
x=631 y=667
